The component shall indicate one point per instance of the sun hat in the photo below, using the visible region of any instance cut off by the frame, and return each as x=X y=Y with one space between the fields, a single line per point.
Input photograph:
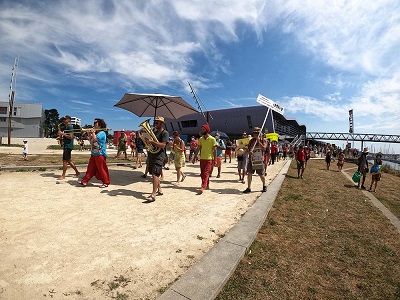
x=122 y=130
x=160 y=119
x=256 y=129
x=25 y=140
x=366 y=150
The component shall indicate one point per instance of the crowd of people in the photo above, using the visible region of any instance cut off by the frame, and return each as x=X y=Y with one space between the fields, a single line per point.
x=253 y=153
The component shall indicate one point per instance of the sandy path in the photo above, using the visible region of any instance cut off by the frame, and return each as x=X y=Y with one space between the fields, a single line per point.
x=64 y=241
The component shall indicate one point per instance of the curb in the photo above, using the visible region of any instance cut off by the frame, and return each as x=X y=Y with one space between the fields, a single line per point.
x=205 y=279
x=387 y=213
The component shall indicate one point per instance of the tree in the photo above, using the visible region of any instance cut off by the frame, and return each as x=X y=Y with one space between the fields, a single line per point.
x=52 y=119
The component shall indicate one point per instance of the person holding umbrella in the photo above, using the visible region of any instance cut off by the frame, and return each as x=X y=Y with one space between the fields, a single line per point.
x=156 y=160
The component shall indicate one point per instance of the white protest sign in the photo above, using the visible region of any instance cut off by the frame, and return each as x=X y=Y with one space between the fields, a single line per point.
x=270 y=104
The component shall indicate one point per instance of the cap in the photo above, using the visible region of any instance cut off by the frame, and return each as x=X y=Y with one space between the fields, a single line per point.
x=122 y=130
x=25 y=140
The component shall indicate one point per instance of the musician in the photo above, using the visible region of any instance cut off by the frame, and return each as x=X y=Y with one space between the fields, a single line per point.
x=156 y=160
x=97 y=165
x=208 y=154
x=255 y=143
x=68 y=145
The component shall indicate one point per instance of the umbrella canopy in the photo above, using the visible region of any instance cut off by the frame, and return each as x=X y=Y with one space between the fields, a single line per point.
x=222 y=135
x=152 y=105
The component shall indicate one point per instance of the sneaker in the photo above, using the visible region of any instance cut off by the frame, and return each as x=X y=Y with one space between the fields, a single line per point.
x=218 y=176
x=264 y=189
x=246 y=191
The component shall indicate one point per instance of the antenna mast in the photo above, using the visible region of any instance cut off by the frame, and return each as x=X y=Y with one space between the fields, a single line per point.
x=200 y=104
x=11 y=96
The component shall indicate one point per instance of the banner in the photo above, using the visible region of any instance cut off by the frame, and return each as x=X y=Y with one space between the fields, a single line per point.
x=351 y=129
x=269 y=103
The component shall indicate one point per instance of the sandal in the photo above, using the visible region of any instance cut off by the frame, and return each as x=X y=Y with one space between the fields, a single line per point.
x=150 y=198
x=81 y=183
x=159 y=193
x=183 y=178
x=103 y=186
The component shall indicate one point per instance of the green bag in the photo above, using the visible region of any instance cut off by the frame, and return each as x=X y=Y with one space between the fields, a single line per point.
x=356 y=176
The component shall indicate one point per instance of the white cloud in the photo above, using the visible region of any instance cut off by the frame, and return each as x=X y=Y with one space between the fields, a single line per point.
x=349 y=35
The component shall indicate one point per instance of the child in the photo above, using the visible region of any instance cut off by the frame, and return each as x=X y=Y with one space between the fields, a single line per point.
x=328 y=158
x=25 y=151
x=376 y=170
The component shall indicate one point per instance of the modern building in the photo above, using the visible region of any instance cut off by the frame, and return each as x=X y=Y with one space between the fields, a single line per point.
x=75 y=121
x=27 y=120
x=233 y=121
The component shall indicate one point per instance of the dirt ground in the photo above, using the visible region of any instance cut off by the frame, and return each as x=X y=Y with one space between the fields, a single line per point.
x=63 y=241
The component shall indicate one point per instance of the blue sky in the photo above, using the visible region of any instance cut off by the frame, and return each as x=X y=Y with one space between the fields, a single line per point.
x=317 y=59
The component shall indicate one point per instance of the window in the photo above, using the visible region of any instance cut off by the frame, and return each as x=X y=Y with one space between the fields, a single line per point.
x=172 y=126
x=249 y=122
x=3 y=110
x=17 y=111
x=3 y=119
x=189 y=123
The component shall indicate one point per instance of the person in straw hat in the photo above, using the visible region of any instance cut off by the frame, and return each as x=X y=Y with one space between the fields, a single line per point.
x=255 y=143
x=156 y=160
x=363 y=167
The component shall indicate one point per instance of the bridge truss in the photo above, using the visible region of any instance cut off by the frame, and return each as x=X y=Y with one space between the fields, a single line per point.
x=384 y=138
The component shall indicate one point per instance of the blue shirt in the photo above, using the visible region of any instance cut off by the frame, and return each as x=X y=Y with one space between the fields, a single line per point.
x=99 y=147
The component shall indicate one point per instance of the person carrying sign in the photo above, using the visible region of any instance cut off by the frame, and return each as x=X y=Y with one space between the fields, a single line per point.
x=256 y=160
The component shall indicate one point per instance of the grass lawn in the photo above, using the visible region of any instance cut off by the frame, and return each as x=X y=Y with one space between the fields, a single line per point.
x=323 y=239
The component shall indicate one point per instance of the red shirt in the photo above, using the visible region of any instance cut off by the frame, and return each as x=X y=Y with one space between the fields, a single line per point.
x=300 y=155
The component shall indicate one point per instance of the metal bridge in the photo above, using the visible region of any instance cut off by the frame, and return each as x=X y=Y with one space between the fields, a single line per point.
x=362 y=137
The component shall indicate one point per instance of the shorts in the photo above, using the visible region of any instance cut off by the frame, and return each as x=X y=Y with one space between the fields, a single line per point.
x=258 y=171
x=218 y=161
x=376 y=177
x=228 y=152
x=154 y=168
x=241 y=163
x=300 y=165
x=67 y=154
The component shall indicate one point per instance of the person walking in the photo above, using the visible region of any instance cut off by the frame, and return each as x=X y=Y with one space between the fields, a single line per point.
x=256 y=144
x=362 y=163
x=241 y=155
x=25 y=149
x=156 y=160
x=228 y=151
x=68 y=145
x=178 y=146
x=208 y=153
x=328 y=158
x=340 y=161
x=139 y=151
x=220 y=147
x=301 y=160
x=97 y=165
x=122 y=144
x=376 y=171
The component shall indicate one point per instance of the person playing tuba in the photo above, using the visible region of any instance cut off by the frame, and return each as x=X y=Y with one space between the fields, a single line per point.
x=156 y=158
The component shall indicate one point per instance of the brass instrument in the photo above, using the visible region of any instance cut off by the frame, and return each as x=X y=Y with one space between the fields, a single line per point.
x=79 y=130
x=60 y=138
x=147 y=133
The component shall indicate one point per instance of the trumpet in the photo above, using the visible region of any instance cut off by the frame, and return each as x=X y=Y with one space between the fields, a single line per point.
x=147 y=133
